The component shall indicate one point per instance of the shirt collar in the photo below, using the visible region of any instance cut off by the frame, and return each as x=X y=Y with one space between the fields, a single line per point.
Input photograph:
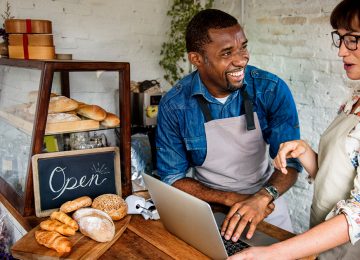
x=198 y=88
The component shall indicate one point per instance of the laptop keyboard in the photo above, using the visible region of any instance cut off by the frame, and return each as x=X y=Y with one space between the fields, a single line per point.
x=234 y=247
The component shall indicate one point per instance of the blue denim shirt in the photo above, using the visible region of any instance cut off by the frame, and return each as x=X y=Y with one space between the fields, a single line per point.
x=180 y=136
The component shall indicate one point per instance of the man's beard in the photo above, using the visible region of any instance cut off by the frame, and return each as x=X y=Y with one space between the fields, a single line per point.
x=230 y=87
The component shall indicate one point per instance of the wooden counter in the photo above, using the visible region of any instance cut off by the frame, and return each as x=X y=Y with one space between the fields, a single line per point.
x=148 y=239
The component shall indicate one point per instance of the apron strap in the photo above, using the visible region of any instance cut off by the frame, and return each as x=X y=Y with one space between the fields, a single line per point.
x=249 y=112
x=204 y=108
x=248 y=107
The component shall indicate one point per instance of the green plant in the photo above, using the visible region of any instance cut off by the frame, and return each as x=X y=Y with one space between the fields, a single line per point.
x=5 y=15
x=173 y=51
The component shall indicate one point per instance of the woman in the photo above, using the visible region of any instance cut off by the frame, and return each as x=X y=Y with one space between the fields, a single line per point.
x=335 y=169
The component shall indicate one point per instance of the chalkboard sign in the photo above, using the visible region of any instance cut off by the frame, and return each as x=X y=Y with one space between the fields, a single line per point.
x=63 y=176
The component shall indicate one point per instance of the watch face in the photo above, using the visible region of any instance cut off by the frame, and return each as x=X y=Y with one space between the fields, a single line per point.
x=273 y=191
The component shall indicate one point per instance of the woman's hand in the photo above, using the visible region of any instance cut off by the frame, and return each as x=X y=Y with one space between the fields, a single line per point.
x=291 y=149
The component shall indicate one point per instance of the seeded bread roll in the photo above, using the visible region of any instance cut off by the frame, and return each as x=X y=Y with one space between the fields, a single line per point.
x=92 y=111
x=110 y=120
x=61 y=104
x=112 y=204
x=78 y=203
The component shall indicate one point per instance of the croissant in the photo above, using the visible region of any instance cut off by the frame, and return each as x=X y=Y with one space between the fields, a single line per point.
x=53 y=240
x=64 y=218
x=54 y=225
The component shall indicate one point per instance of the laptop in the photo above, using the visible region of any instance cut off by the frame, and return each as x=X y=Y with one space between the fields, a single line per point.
x=193 y=221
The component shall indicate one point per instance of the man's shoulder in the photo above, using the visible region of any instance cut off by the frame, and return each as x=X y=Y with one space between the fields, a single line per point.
x=252 y=73
x=179 y=93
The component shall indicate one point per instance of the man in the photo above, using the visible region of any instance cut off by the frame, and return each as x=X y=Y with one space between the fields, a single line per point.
x=222 y=119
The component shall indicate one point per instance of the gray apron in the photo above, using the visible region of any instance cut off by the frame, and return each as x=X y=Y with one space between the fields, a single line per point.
x=237 y=160
x=334 y=180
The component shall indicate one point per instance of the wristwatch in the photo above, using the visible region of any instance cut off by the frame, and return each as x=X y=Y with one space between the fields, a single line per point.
x=272 y=191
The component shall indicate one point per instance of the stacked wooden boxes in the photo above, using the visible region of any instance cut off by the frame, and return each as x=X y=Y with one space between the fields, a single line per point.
x=30 y=39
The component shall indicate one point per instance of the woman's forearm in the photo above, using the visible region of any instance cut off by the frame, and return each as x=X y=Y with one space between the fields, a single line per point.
x=327 y=235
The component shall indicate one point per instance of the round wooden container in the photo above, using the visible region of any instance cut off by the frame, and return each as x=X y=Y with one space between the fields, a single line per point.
x=32 y=52
x=31 y=39
x=27 y=26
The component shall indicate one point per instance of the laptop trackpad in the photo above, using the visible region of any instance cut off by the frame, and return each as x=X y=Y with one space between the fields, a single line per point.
x=259 y=238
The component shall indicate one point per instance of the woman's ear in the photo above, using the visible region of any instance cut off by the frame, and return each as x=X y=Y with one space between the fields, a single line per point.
x=195 y=58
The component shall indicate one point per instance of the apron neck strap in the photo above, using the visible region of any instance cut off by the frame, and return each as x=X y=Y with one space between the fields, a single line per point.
x=204 y=108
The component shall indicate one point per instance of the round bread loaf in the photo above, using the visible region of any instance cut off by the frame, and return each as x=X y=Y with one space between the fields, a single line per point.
x=92 y=111
x=75 y=204
x=112 y=204
x=95 y=224
x=61 y=104
x=110 y=120
x=62 y=117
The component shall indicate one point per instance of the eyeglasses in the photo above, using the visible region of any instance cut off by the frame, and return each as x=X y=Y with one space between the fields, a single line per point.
x=350 y=41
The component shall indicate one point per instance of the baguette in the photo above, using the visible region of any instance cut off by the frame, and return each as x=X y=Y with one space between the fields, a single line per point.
x=78 y=203
x=53 y=240
x=54 y=225
x=93 y=112
x=64 y=218
x=110 y=120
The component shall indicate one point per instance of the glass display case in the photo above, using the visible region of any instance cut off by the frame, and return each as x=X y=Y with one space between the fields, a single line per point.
x=26 y=87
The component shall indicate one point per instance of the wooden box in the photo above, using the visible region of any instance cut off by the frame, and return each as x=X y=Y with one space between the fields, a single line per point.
x=31 y=39
x=28 y=26
x=32 y=52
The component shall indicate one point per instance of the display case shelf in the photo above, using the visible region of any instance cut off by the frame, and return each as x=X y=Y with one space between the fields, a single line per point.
x=35 y=127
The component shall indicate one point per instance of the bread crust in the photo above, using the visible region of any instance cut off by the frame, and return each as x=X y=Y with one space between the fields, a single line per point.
x=110 y=120
x=76 y=204
x=62 y=117
x=61 y=104
x=64 y=218
x=112 y=204
x=55 y=225
x=92 y=111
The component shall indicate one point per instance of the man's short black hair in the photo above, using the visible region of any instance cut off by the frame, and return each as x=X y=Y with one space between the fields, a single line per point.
x=198 y=27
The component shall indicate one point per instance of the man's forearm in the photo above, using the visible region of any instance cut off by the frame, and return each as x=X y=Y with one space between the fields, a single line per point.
x=208 y=194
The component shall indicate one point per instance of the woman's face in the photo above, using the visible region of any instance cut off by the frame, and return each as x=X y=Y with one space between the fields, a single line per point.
x=351 y=59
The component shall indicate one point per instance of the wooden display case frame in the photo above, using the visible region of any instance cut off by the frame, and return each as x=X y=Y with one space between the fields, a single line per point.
x=25 y=203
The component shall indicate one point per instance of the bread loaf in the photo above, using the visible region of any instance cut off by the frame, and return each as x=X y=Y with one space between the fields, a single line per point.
x=54 y=225
x=92 y=111
x=95 y=224
x=61 y=104
x=64 y=218
x=62 y=117
x=78 y=203
x=53 y=240
x=33 y=95
x=110 y=120
x=112 y=204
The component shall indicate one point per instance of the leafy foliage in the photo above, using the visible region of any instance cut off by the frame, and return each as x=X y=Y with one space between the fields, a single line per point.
x=173 y=51
x=6 y=15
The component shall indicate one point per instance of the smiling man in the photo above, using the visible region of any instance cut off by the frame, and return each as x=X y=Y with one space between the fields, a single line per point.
x=224 y=120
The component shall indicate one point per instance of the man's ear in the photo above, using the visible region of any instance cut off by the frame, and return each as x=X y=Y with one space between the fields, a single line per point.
x=195 y=58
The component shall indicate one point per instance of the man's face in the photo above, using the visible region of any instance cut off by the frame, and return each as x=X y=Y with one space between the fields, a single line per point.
x=223 y=61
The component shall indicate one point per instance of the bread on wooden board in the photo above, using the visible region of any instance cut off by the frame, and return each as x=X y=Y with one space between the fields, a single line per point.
x=64 y=218
x=95 y=224
x=110 y=120
x=61 y=104
x=75 y=204
x=112 y=204
x=92 y=112
x=53 y=240
x=55 y=225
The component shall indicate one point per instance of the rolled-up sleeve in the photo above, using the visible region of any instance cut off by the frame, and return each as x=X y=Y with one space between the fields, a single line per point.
x=351 y=209
x=172 y=163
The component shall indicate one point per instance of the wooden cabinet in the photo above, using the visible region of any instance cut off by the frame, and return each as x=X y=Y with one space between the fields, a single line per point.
x=22 y=132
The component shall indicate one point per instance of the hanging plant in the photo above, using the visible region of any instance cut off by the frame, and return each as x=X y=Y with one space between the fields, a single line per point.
x=173 y=51
x=6 y=15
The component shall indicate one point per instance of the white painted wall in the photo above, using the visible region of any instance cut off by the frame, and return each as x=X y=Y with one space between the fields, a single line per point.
x=288 y=37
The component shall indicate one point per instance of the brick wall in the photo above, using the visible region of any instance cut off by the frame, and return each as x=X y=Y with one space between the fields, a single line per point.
x=290 y=38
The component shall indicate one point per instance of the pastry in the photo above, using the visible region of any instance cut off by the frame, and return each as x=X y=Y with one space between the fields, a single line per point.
x=53 y=240
x=54 y=225
x=78 y=203
x=112 y=204
x=61 y=104
x=64 y=218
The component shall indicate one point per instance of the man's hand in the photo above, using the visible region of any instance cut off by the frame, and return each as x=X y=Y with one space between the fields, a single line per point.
x=252 y=210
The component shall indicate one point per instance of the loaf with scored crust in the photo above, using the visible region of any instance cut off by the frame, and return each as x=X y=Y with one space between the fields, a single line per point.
x=112 y=204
